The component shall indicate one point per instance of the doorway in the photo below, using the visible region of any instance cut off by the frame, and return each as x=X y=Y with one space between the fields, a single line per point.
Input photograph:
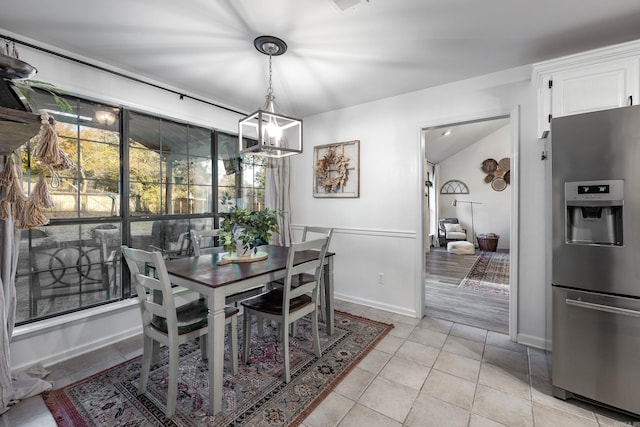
x=459 y=171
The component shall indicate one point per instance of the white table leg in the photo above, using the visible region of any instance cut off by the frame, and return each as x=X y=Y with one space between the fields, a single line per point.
x=215 y=349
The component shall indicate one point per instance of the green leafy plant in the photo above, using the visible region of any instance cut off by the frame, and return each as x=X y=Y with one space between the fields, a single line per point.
x=26 y=88
x=249 y=228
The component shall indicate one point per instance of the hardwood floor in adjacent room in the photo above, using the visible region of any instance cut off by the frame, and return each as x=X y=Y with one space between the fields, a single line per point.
x=444 y=300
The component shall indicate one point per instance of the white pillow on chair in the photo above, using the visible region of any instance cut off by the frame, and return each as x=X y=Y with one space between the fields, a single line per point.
x=454 y=232
x=453 y=227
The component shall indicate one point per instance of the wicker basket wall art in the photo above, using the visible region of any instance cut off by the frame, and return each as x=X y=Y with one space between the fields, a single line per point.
x=498 y=173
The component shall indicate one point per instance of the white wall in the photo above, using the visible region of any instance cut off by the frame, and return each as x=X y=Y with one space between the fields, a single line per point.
x=492 y=214
x=380 y=231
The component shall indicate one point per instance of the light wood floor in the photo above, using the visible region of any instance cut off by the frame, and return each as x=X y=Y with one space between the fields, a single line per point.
x=443 y=299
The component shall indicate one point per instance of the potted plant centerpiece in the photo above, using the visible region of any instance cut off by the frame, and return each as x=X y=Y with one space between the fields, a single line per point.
x=242 y=230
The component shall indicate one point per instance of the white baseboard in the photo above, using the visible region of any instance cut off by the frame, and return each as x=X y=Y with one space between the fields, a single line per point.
x=78 y=350
x=376 y=304
x=65 y=337
x=533 y=341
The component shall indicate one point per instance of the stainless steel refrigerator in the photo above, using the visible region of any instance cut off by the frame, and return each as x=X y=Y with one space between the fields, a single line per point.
x=596 y=257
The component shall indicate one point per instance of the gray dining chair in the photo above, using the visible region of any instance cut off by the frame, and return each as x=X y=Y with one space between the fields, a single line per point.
x=307 y=233
x=167 y=324
x=287 y=304
x=204 y=241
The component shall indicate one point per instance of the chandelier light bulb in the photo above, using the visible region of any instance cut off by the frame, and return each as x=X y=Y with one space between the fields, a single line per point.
x=274 y=133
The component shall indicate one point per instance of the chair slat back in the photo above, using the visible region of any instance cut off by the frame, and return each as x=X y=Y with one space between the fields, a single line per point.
x=314 y=266
x=312 y=232
x=203 y=241
x=150 y=277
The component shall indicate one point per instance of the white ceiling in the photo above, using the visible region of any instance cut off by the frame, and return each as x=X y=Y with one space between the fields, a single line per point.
x=443 y=142
x=376 y=49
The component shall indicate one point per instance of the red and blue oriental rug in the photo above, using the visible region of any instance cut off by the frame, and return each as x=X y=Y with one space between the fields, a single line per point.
x=256 y=396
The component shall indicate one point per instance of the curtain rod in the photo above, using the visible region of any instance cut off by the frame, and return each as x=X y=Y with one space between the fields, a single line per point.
x=119 y=74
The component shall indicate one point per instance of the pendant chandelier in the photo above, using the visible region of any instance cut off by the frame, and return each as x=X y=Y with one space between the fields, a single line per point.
x=267 y=132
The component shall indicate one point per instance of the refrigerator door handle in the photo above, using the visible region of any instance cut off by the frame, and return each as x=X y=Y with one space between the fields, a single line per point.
x=602 y=307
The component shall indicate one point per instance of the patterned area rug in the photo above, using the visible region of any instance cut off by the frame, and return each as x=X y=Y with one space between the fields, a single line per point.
x=256 y=396
x=489 y=274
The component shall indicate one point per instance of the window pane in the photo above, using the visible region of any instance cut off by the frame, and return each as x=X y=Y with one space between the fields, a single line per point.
x=145 y=164
x=91 y=187
x=171 y=237
x=182 y=202
x=201 y=170
x=180 y=168
x=145 y=198
x=202 y=198
x=200 y=142
x=66 y=267
x=173 y=137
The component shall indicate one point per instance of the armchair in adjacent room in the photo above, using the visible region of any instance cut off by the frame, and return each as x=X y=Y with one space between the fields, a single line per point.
x=450 y=230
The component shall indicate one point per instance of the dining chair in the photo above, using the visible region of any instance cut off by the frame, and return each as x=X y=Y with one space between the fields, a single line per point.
x=203 y=242
x=307 y=232
x=287 y=304
x=167 y=324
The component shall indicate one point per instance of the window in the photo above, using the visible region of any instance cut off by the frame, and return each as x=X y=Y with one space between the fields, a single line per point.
x=138 y=180
x=73 y=262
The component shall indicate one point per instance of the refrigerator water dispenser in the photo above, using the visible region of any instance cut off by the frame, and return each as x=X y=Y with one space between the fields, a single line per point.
x=594 y=212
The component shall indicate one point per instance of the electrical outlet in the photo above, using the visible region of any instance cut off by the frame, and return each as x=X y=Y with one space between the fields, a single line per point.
x=381 y=278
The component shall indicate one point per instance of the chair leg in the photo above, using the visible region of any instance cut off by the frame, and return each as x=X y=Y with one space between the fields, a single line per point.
x=172 y=393
x=147 y=350
x=260 y=326
x=233 y=345
x=285 y=351
x=316 y=334
x=322 y=301
x=247 y=336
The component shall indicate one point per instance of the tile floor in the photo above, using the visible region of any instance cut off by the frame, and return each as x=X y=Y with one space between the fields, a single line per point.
x=426 y=372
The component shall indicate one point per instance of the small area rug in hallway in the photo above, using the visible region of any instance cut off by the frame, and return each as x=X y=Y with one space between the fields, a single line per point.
x=256 y=396
x=490 y=273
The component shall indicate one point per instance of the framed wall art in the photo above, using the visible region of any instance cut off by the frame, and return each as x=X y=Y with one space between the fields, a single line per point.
x=337 y=170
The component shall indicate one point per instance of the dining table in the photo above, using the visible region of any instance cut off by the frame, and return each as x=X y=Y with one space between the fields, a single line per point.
x=213 y=277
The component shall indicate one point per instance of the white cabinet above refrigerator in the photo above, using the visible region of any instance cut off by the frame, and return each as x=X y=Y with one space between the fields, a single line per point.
x=591 y=81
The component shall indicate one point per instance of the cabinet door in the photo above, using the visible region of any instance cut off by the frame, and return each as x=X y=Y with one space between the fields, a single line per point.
x=600 y=86
x=544 y=106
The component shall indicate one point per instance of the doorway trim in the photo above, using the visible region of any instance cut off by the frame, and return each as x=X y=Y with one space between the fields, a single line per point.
x=514 y=122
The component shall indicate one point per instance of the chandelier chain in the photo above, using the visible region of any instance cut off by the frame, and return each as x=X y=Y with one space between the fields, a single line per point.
x=270 y=90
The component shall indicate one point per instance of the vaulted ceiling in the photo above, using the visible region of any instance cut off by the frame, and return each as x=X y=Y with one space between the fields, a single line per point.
x=335 y=58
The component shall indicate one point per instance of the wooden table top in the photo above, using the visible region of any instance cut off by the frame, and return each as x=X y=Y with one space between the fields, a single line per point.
x=206 y=270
